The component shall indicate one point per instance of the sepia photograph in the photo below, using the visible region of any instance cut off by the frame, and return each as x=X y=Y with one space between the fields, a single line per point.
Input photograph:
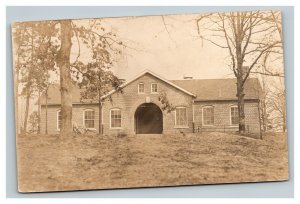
x=150 y=101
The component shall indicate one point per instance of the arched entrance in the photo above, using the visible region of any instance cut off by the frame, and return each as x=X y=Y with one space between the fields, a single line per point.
x=148 y=119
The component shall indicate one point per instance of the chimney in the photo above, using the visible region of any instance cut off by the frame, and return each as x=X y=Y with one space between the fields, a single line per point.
x=187 y=77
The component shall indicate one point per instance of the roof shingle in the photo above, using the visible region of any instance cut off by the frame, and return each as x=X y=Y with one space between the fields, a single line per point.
x=219 y=89
x=204 y=89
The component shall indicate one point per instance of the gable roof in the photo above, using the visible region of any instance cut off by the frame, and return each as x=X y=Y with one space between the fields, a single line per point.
x=200 y=89
x=156 y=76
x=54 y=97
x=219 y=89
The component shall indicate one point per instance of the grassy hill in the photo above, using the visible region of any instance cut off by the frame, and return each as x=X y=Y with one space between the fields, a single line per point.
x=48 y=163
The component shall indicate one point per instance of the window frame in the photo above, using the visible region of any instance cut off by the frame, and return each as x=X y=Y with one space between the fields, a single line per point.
x=57 y=119
x=110 y=111
x=233 y=125
x=186 y=117
x=84 y=111
x=156 y=92
x=141 y=83
x=205 y=107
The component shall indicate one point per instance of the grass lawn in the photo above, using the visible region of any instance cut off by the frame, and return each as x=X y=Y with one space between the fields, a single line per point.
x=49 y=163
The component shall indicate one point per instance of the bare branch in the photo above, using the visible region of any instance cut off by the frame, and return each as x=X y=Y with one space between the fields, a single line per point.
x=166 y=28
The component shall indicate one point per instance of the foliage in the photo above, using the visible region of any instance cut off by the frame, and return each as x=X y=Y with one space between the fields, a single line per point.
x=35 y=53
x=166 y=104
x=34 y=57
x=39 y=49
x=34 y=122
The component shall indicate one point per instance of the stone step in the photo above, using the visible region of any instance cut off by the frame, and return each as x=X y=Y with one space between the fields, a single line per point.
x=149 y=135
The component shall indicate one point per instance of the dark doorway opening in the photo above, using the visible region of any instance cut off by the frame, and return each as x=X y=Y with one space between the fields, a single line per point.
x=148 y=119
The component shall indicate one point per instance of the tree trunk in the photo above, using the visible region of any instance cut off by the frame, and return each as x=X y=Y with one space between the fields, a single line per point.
x=241 y=105
x=27 y=105
x=263 y=113
x=63 y=61
x=28 y=85
x=39 y=112
x=46 y=107
x=100 y=117
x=240 y=74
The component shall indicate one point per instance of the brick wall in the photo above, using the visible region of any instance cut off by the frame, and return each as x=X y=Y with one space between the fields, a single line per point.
x=222 y=116
x=130 y=100
x=77 y=114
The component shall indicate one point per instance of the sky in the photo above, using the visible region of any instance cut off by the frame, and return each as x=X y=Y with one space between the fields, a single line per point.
x=172 y=50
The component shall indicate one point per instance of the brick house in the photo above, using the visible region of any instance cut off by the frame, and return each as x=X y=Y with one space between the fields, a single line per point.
x=197 y=105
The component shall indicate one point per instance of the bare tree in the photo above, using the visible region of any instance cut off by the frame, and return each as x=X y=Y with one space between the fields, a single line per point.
x=277 y=106
x=247 y=36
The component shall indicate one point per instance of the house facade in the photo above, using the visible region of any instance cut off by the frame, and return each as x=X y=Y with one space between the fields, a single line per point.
x=194 y=105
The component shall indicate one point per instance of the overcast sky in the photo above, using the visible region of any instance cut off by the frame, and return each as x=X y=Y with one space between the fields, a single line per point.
x=172 y=50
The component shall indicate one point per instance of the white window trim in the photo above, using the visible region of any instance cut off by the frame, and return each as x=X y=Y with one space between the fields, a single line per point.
x=83 y=119
x=203 y=116
x=156 y=87
x=181 y=126
x=114 y=128
x=57 y=126
x=139 y=88
x=232 y=125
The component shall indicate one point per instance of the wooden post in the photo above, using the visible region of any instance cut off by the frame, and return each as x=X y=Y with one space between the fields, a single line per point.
x=260 y=133
x=193 y=127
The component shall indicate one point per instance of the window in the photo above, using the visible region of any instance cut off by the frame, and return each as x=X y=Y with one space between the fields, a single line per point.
x=58 y=124
x=208 y=115
x=115 y=118
x=89 y=118
x=181 y=117
x=234 y=115
x=141 y=88
x=154 y=88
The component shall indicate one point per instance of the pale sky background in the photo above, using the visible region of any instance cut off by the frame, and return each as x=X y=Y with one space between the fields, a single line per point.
x=172 y=55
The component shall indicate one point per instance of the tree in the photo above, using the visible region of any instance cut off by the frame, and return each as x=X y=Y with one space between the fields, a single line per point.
x=277 y=106
x=63 y=62
x=98 y=81
x=60 y=35
x=34 y=122
x=32 y=62
x=247 y=36
x=166 y=104
x=95 y=76
x=18 y=39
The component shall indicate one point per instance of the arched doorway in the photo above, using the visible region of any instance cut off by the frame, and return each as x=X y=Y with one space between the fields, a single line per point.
x=148 y=119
